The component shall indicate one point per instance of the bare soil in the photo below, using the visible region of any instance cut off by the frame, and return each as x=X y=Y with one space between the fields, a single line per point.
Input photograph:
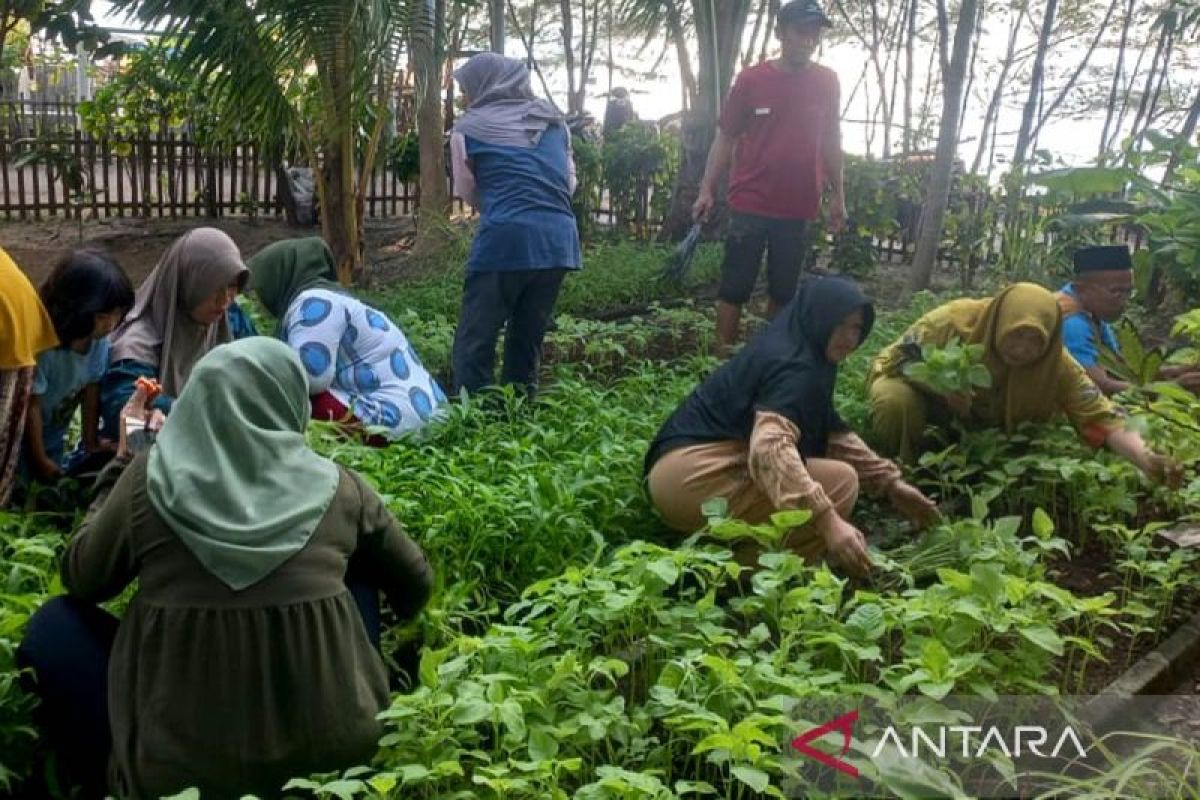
x=137 y=244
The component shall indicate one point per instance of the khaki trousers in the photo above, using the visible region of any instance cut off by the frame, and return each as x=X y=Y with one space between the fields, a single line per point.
x=683 y=479
x=898 y=416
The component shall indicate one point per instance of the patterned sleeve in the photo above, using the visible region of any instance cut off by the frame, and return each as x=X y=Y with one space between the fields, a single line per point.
x=875 y=472
x=1092 y=414
x=313 y=326
x=777 y=469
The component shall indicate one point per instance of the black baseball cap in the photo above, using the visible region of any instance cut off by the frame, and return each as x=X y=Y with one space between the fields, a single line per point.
x=803 y=12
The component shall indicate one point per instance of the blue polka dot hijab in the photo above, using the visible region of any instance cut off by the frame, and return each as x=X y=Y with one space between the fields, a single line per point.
x=281 y=271
x=231 y=473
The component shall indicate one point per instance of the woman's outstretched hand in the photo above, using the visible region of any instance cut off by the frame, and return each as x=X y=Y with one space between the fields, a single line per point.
x=912 y=503
x=845 y=544
x=138 y=413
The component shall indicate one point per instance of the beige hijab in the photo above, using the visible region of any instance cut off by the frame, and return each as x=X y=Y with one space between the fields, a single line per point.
x=160 y=330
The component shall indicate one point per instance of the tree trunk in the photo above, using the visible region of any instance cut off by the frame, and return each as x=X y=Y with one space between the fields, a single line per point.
x=909 y=76
x=567 y=27
x=966 y=98
x=1184 y=139
x=435 y=194
x=993 y=110
x=527 y=43
x=1116 y=81
x=762 y=13
x=687 y=75
x=1048 y=113
x=938 y=192
x=1147 y=92
x=496 y=25
x=1162 y=76
x=1036 y=81
x=719 y=25
x=1126 y=95
x=339 y=209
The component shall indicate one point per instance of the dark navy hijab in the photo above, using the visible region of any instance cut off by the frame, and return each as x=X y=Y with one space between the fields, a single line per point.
x=783 y=370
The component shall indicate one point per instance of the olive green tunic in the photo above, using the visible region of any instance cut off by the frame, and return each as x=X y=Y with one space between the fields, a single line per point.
x=236 y=692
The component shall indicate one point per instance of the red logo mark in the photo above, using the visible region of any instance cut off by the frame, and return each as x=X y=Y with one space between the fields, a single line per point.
x=845 y=724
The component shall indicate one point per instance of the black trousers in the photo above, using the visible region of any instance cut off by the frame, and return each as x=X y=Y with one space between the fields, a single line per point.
x=785 y=242
x=521 y=300
x=67 y=646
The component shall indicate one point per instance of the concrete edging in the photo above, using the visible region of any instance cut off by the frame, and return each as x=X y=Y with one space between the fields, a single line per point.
x=1151 y=674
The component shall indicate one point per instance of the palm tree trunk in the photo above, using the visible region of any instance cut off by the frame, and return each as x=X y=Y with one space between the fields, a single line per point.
x=719 y=26
x=435 y=193
x=339 y=213
x=937 y=195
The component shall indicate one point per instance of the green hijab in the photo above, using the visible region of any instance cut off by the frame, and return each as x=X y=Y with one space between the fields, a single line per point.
x=231 y=473
x=282 y=270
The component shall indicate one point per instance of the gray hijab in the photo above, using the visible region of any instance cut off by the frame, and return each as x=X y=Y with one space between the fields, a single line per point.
x=159 y=329
x=503 y=109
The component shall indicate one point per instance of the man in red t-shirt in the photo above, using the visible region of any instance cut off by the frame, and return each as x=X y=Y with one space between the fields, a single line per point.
x=781 y=130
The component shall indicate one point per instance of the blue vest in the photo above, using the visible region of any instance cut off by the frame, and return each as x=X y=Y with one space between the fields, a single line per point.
x=525 y=217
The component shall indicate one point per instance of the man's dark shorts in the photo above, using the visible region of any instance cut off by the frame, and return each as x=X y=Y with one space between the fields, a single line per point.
x=748 y=236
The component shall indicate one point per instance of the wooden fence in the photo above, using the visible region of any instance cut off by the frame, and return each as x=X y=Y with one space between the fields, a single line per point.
x=162 y=175
x=49 y=167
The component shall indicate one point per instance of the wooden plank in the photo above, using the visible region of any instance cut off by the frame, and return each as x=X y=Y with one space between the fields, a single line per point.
x=254 y=199
x=20 y=187
x=198 y=191
x=160 y=161
x=170 y=148
x=106 y=169
x=182 y=199
x=148 y=174
x=4 y=145
x=395 y=191
x=52 y=191
x=220 y=198
x=34 y=170
x=120 y=183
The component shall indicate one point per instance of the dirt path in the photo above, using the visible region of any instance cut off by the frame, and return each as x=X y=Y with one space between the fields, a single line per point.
x=138 y=243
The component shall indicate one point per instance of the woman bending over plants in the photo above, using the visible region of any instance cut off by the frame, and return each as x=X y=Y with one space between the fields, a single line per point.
x=762 y=433
x=244 y=657
x=362 y=370
x=1031 y=379
x=183 y=309
x=86 y=296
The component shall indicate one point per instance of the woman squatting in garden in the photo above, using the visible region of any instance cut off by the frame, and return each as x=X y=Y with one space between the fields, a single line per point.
x=1033 y=379
x=362 y=370
x=762 y=432
x=243 y=658
x=86 y=295
x=183 y=309
x=512 y=160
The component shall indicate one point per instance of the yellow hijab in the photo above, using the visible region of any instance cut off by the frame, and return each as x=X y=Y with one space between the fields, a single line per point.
x=25 y=327
x=1019 y=394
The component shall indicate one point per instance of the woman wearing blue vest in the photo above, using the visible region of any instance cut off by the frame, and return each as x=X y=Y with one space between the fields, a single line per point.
x=511 y=157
